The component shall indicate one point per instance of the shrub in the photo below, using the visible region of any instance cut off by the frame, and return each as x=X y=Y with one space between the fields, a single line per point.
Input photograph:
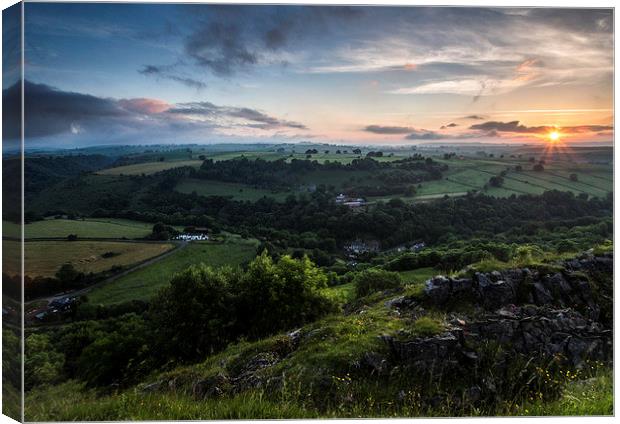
x=373 y=280
x=205 y=309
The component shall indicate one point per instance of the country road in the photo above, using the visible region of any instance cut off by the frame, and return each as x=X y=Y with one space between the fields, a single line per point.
x=179 y=246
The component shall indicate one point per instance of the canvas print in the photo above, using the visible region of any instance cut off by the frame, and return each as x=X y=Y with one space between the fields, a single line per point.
x=227 y=211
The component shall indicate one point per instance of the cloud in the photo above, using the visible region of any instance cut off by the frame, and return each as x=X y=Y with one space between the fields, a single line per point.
x=166 y=72
x=144 y=106
x=425 y=135
x=518 y=128
x=62 y=116
x=450 y=125
x=379 y=129
x=221 y=48
x=475 y=117
x=264 y=121
x=512 y=126
x=226 y=40
x=49 y=111
x=257 y=118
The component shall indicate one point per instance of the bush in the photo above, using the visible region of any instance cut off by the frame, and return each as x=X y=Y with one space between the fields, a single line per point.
x=280 y=295
x=43 y=364
x=205 y=309
x=374 y=280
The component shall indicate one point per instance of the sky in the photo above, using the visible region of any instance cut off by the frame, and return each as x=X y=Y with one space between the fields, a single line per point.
x=157 y=73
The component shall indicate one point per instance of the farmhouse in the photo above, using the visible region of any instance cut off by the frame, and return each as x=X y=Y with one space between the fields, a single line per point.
x=349 y=201
x=192 y=237
x=360 y=247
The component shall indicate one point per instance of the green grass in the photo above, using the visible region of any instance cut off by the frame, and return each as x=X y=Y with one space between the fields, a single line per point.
x=145 y=282
x=419 y=275
x=89 y=228
x=71 y=401
x=593 y=396
x=236 y=191
x=148 y=168
x=11 y=400
x=342 y=294
x=473 y=174
x=44 y=258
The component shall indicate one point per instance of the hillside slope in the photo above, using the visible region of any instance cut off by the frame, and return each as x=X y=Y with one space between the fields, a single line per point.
x=507 y=342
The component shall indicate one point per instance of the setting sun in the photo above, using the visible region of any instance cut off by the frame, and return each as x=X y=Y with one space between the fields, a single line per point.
x=554 y=136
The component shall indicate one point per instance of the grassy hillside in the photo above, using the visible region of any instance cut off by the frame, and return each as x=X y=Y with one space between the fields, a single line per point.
x=148 y=168
x=335 y=370
x=44 y=258
x=144 y=283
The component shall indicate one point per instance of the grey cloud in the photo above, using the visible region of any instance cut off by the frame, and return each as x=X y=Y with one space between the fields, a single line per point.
x=221 y=48
x=512 y=126
x=424 y=135
x=49 y=111
x=258 y=119
x=228 y=39
x=379 y=129
x=62 y=115
x=475 y=117
x=168 y=73
x=516 y=127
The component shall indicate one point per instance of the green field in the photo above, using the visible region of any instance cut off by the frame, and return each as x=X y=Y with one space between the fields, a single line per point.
x=88 y=228
x=148 y=168
x=145 y=282
x=463 y=175
x=419 y=275
x=472 y=174
x=44 y=258
x=236 y=191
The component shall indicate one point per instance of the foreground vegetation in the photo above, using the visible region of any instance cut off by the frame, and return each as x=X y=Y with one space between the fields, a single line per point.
x=211 y=345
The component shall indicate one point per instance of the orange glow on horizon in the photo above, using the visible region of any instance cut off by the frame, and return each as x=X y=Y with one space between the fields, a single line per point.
x=554 y=136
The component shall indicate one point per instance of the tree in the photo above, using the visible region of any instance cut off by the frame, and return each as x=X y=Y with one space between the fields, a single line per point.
x=43 y=365
x=67 y=274
x=538 y=167
x=196 y=314
x=205 y=309
x=280 y=295
x=496 y=181
x=117 y=356
x=574 y=177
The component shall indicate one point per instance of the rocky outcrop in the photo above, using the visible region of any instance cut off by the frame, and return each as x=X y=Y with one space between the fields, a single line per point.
x=566 y=288
x=535 y=334
x=536 y=315
x=233 y=379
